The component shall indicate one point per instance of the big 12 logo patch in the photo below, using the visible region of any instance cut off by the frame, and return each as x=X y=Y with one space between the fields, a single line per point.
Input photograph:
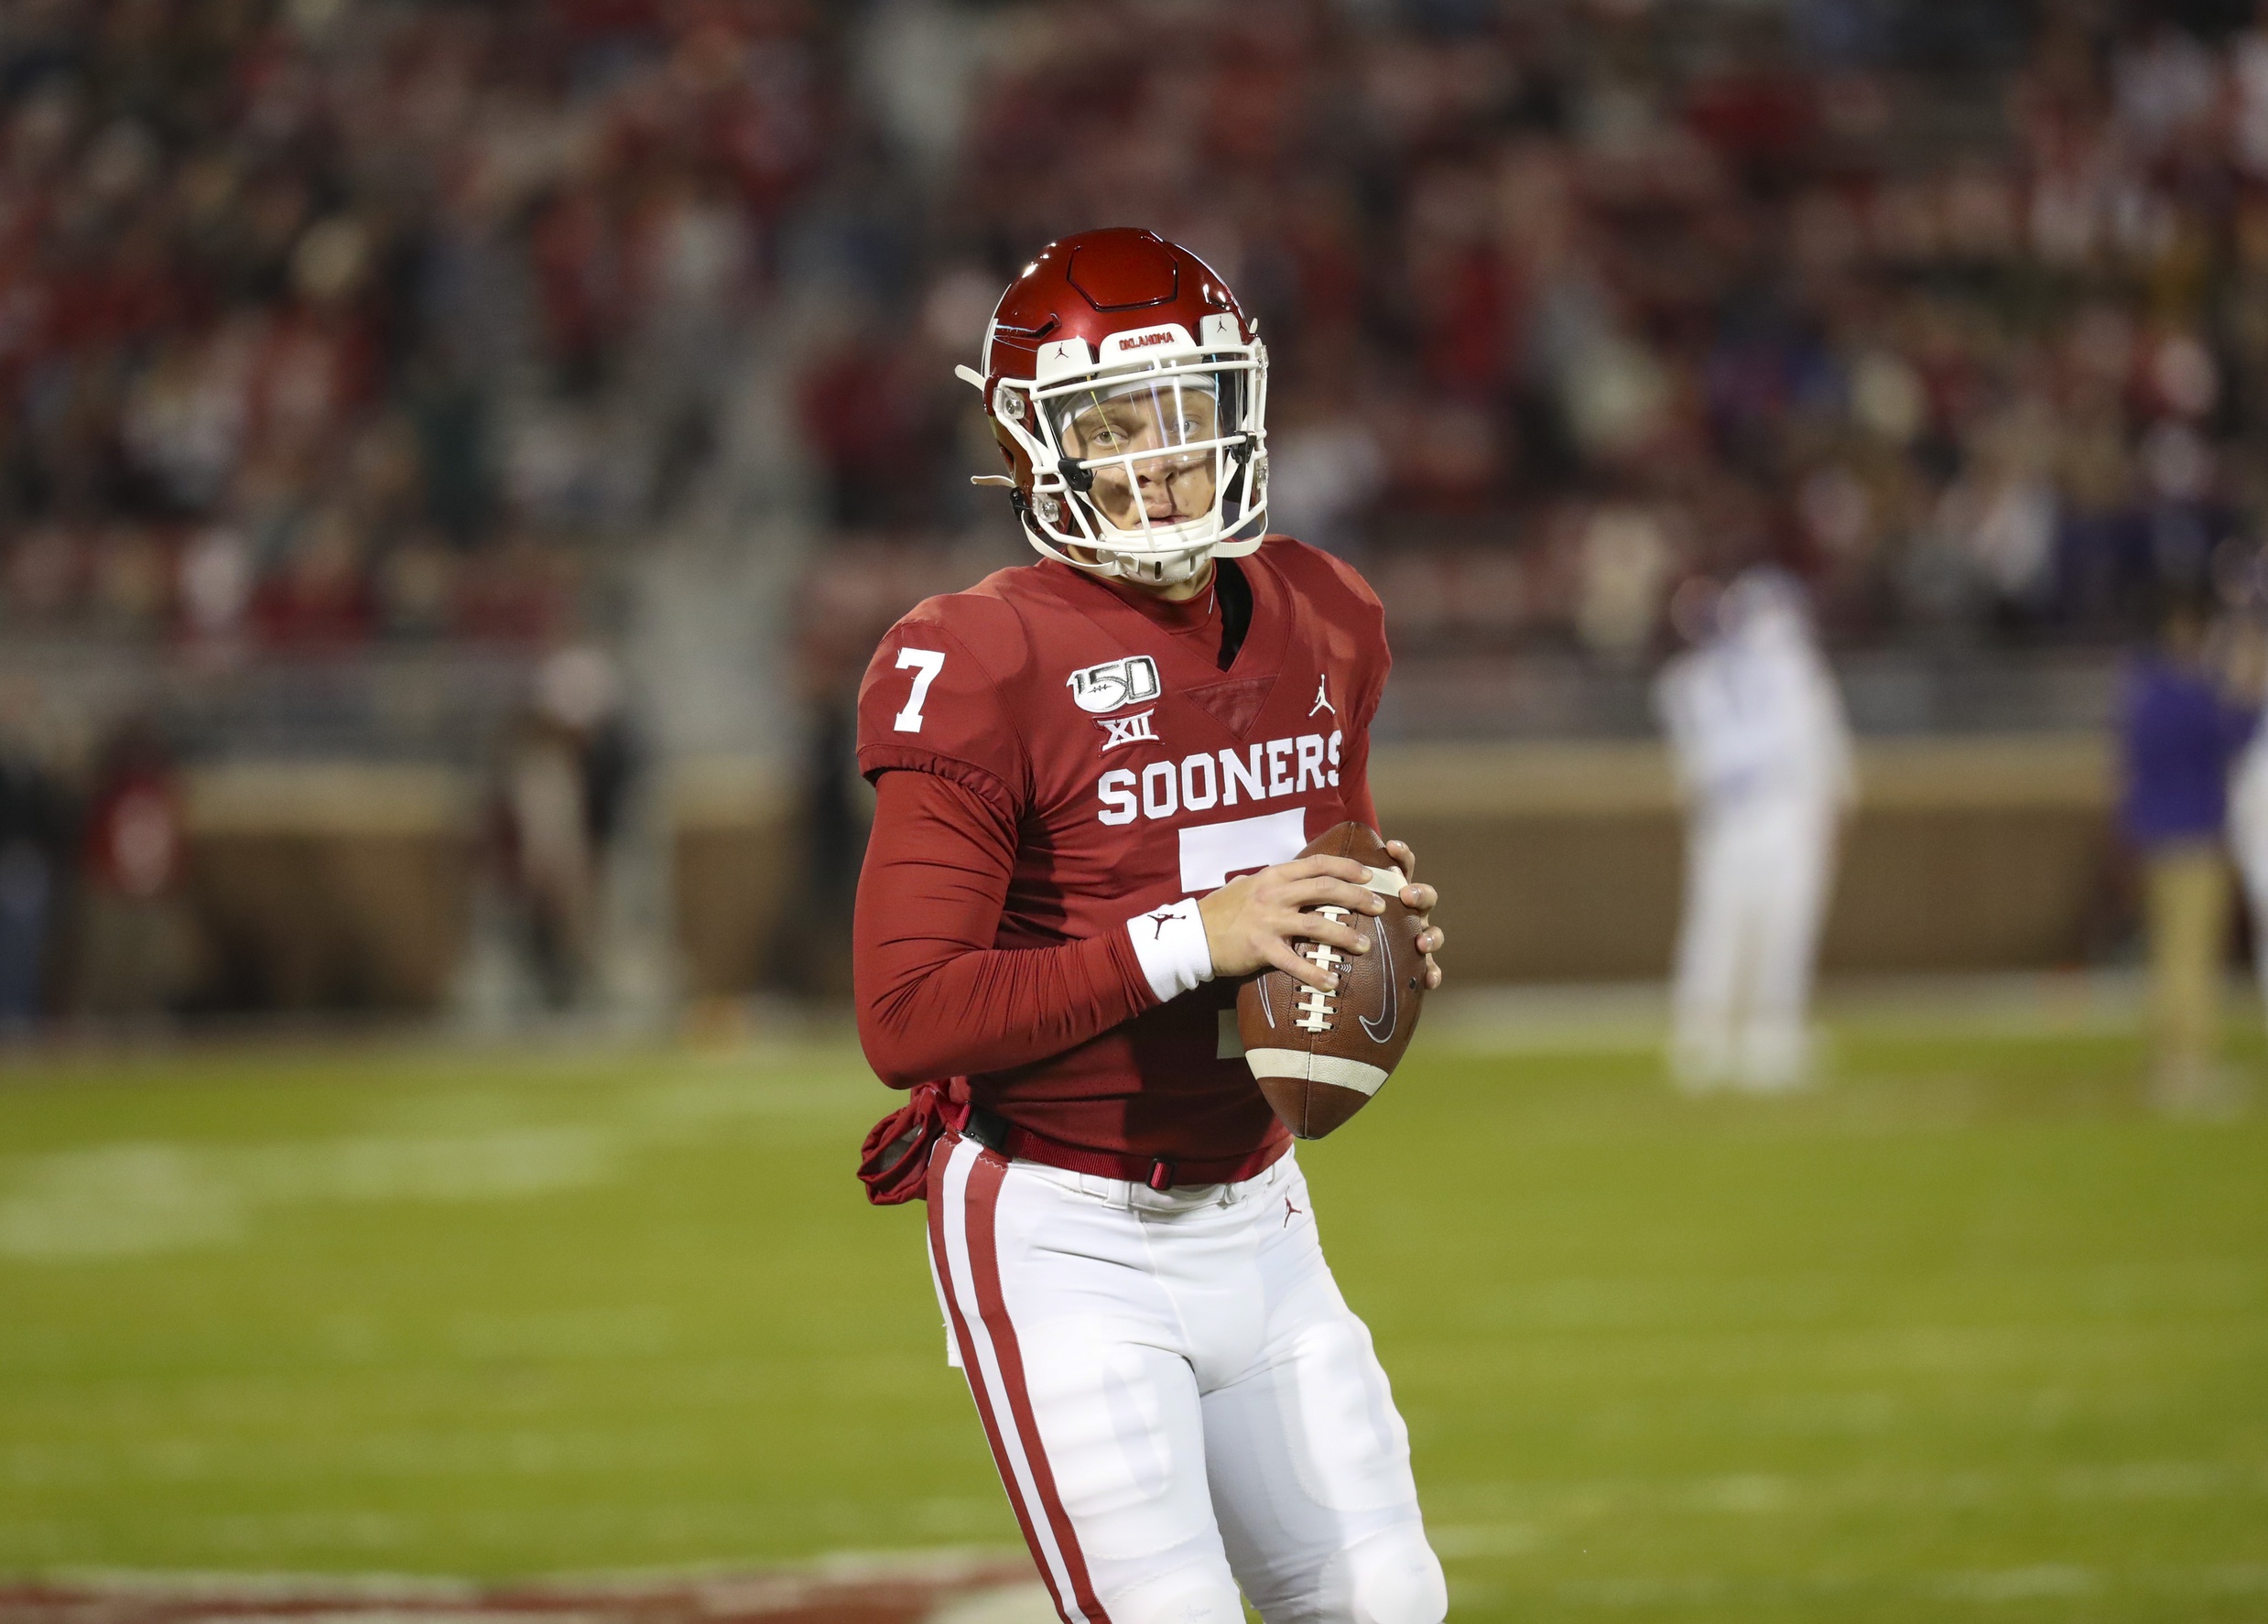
x=1114 y=683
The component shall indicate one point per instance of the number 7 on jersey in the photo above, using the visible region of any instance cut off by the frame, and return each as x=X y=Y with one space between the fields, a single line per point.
x=925 y=665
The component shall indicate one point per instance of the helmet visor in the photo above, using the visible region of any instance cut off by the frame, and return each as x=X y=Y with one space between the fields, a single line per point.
x=1153 y=446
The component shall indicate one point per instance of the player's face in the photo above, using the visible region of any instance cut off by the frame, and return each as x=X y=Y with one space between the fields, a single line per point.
x=1165 y=481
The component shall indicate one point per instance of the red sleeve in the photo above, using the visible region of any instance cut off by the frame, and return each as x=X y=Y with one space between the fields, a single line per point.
x=1362 y=618
x=1354 y=767
x=1355 y=787
x=929 y=703
x=936 y=999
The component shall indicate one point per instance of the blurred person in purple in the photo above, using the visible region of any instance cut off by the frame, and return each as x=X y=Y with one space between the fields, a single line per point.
x=1763 y=756
x=2178 y=737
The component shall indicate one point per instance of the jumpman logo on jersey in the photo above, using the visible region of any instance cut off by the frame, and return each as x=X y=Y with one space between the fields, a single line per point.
x=1322 y=697
x=1162 y=918
x=1291 y=1212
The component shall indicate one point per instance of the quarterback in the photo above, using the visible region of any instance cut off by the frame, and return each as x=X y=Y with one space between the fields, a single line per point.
x=1093 y=777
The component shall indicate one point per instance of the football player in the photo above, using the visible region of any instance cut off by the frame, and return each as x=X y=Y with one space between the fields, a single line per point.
x=1093 y=778
x=1756 y=727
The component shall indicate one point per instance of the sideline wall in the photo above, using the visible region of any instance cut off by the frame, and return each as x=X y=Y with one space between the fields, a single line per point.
x=318 y=884
x=1564 y=861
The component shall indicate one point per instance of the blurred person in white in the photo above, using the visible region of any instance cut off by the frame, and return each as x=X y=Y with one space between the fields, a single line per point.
x=2241 y=657
x=1763 y=754
x=565 y=772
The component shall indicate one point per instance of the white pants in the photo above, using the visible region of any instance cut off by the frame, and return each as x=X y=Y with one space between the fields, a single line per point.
x=1179 y=1402
x=1756 y=887
x=2248 y=843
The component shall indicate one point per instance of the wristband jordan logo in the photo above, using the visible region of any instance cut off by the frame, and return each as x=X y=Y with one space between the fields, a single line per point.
x=1114 y=685
x=1161 y=919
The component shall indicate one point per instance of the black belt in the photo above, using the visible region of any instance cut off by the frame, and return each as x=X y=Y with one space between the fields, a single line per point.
x=995 y=1132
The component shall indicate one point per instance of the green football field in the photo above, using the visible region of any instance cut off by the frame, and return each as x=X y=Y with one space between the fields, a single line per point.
x=1966 y=1335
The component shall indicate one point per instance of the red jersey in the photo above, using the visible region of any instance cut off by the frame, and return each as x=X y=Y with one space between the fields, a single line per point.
x=1063 y=767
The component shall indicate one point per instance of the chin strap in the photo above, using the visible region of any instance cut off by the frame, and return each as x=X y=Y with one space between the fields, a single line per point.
x=1169 y=571
x=1159 y=571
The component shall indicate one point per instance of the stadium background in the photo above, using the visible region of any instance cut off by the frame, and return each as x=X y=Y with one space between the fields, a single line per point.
x=455 y=459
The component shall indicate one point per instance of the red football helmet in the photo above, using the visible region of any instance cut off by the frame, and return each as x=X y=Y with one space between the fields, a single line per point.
x=1128 y=392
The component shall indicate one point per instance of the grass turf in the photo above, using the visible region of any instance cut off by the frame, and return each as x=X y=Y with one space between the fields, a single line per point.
x=1965 y=1335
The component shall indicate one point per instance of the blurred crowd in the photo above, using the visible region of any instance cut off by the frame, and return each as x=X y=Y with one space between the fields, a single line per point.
x=1955 y=311
x=327 y=321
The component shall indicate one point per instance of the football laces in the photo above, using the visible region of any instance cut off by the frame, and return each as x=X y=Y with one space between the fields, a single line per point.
x=1317 y=1010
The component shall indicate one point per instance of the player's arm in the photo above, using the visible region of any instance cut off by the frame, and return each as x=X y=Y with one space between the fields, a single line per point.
x=936 y=999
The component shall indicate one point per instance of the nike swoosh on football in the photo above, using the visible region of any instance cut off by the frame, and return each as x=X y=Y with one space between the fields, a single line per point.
x=1390 y=1011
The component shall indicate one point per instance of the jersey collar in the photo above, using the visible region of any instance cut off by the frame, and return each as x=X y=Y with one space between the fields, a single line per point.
x=1144 y=632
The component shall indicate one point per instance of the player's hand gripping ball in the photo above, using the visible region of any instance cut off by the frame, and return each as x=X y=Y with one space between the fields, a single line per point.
x=1320 y=1055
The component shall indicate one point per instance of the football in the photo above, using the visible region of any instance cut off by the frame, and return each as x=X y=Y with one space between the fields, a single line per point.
x=1320 y=1055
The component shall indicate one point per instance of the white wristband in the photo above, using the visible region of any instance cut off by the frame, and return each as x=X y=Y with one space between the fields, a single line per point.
x=1171 y=944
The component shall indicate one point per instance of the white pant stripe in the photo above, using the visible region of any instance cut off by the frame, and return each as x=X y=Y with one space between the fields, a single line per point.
x=984 y=1365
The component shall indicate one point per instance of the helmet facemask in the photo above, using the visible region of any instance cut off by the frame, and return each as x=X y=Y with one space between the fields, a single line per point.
x=1147 y=468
